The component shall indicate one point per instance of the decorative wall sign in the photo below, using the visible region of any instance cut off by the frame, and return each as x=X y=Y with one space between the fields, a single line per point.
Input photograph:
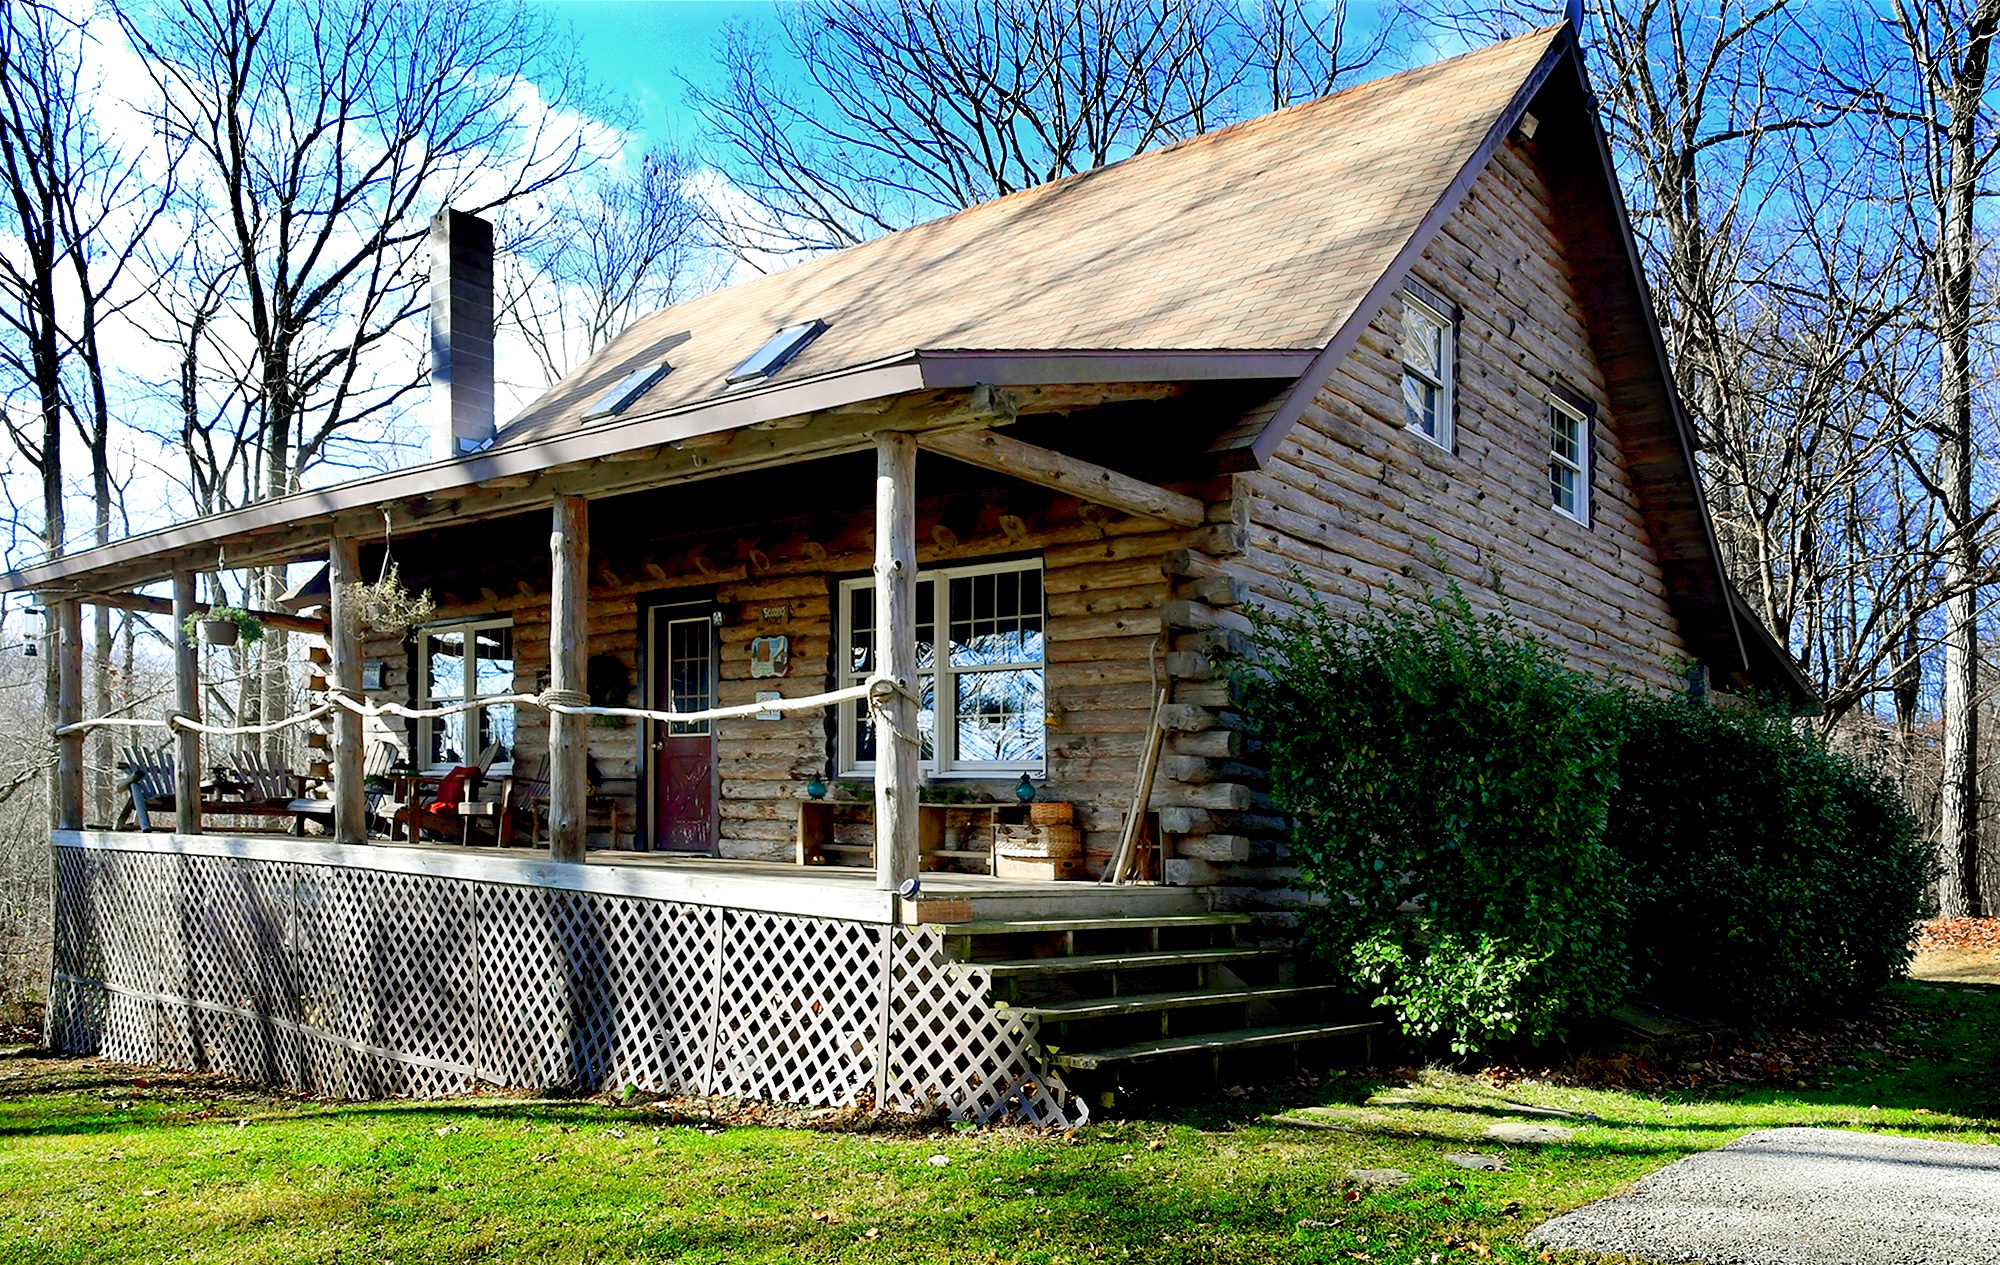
x=769 y=696
x=771 y=656
x=374 y=675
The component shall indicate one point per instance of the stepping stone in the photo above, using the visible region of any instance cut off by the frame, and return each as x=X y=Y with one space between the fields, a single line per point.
x=1802 y=1197
x=1520 y=1134
x=1487 y=1163
x=1377 y=1178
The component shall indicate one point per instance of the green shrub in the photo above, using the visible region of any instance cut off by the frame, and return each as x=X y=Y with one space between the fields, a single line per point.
x=1450 y=780
x=1768 y=876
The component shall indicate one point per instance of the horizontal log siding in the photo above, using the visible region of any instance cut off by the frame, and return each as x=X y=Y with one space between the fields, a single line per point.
x=1105 y=589
x=1354 y=501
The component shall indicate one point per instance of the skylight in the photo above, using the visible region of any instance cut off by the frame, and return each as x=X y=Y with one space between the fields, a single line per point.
x=629 y=388
x=777 y=353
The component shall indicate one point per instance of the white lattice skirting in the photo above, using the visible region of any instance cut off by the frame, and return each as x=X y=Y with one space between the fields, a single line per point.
x=359 y=983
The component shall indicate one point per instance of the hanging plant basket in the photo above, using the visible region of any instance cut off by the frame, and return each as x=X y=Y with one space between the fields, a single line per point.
x=223 y=626
x=386 y=606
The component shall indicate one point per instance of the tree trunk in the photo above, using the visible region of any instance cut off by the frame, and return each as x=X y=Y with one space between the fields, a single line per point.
x=1957 y=254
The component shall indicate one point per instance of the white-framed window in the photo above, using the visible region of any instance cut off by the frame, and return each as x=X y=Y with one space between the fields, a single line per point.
x=986 y=669
x=1569 y=460
x=465 y=659
x=1427 y=370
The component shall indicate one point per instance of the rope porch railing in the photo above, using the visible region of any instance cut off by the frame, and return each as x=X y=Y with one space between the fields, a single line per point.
x=875 y=689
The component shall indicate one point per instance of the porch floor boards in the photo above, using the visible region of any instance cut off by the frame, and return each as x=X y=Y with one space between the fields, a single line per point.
x=992 y=898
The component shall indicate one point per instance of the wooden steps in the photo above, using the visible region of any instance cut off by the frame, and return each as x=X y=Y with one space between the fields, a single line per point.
x=1143 y=1003
x=1025 y=926
x=1068 y=964
x=1132 y=988
x=1213 y=1043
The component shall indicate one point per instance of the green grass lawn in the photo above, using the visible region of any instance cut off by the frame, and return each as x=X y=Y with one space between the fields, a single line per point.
x=99 y=1163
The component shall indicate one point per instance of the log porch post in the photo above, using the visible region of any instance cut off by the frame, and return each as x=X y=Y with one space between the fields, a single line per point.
x=68 y=650
x=896 y=750
x=187 y=702
x=350 y=801
x=569 y=651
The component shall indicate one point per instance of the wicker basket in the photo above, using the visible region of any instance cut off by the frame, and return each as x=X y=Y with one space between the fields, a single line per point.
x=1039 y=841
x=1051 y=813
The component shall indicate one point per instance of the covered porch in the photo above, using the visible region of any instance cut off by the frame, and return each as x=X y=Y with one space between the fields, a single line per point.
x=812 y=660
x=698 y=658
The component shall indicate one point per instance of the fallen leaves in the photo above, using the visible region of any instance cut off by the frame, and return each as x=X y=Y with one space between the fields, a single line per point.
x=1958 y=933
x=1786 y=1057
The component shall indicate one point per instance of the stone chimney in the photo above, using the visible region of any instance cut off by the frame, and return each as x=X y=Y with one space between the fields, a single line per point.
x=461 y=334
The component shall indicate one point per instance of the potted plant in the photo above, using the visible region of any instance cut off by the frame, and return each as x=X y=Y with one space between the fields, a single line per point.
x=386 y=606
x=223 y=626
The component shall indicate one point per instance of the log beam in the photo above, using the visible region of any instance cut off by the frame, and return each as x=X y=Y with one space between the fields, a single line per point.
x=163 y=606
x=350 y=802
x=187 y=702
x=1082 y=479
x=67 y=645
x=569 y=652
x=896 y=750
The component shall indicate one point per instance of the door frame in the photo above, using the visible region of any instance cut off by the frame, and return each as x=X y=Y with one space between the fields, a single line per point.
x=654 y=609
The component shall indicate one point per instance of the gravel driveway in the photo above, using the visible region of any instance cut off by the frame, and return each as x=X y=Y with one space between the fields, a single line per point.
x=1803 y=1197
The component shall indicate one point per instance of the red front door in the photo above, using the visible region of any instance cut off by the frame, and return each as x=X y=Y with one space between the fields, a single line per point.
x=683 y=656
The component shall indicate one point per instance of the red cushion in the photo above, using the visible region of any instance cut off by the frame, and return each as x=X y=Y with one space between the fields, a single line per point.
x=450 y=790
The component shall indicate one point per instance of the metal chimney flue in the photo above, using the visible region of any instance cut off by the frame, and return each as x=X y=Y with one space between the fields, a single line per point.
x=461 y=334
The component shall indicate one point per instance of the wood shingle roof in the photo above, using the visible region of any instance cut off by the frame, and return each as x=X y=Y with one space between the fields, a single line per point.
x=1265 y=235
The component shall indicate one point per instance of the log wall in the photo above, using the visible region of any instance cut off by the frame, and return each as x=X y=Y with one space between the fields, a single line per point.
x=1355 y=502
x=1105 y=590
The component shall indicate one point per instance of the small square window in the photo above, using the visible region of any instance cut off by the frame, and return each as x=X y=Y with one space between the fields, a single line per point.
x=1569 y=461
x=1427 y=371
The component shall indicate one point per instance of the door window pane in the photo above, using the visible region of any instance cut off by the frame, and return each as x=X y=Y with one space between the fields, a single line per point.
x=688 y=671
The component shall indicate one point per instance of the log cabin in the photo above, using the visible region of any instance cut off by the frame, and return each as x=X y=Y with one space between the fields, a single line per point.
x=1003 y=483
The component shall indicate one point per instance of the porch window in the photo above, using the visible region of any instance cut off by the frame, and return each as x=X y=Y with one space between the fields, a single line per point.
x=1427 y=370
x=470 y=659
x=1569 y=460
x=986 y=668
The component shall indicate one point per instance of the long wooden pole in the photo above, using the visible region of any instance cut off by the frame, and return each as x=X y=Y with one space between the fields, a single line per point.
x=896 y=751
x=350 y=800
x=68 y=649
x=569 y=652
x=1085 y=479
x=187 y=702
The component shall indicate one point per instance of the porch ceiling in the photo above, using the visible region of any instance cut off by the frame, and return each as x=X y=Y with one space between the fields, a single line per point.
x=775 y=425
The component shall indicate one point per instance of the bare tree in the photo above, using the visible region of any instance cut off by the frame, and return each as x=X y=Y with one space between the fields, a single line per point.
x=1929 y=85
x=1295 y=50
x=579 y=264
x=322 y=138
x=913 y=108
x=77 y=206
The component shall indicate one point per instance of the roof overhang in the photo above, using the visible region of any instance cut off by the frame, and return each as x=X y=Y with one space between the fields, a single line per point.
x=126 y=561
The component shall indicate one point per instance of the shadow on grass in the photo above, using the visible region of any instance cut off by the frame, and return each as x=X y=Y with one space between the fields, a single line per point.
x=1952 y=1057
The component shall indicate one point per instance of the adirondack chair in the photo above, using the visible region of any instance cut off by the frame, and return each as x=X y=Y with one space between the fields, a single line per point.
x=263 y=782
x=375 y=765
x=149 y=780
x=438 y=812
x=524 y=797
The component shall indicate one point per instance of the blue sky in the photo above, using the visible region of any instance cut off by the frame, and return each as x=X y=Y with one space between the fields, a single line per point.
x=644 y=49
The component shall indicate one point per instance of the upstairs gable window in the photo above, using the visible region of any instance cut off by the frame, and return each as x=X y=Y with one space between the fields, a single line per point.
x=1569 y=460
x=1427 y=370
